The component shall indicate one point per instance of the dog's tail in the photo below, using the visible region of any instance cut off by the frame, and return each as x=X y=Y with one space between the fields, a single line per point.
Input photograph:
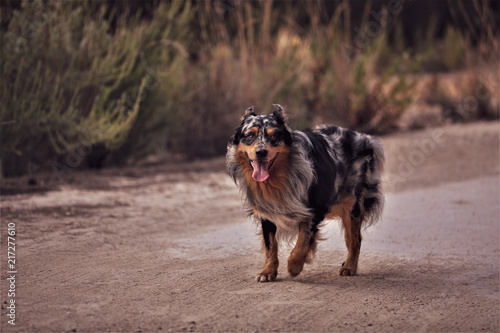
x=370 y=196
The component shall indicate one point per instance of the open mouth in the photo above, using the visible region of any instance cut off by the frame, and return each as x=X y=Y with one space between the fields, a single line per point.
x=261 y=168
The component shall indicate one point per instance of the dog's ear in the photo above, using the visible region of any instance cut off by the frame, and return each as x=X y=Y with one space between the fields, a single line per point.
x=250 y=112
x=235 y=139
x=281 y=118
x=279 y=114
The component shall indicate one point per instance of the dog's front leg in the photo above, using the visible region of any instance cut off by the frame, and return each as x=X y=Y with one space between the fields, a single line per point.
x=270 y=270
x=303 y=250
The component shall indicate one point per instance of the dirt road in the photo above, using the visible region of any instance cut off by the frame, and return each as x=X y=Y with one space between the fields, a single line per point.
x=166 y=248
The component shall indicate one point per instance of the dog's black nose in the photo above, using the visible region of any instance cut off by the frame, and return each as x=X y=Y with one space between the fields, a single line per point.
x=261 y=153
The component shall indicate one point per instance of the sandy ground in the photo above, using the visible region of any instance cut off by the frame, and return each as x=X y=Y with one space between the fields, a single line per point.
x=166 y=248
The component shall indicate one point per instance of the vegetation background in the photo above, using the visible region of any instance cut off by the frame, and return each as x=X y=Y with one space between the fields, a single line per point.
x=97 y=83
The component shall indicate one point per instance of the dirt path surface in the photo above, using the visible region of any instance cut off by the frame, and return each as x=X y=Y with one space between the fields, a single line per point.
x=166 y=248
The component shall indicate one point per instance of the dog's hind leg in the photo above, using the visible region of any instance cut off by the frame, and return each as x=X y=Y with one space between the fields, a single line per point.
x=351 y=224
x=270 y=270
x=304 y=249
x=352 y=231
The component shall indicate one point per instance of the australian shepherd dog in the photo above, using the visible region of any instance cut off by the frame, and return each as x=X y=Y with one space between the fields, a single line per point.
x=293 y=180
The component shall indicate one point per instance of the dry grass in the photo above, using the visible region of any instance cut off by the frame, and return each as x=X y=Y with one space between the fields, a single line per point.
x=202 y=65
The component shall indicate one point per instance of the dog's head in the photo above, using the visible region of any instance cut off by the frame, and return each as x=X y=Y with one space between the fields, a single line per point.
x=263 y=142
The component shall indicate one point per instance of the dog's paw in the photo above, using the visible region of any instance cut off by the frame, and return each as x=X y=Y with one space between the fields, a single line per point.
x=266 y=277
x=347 y=270
x=295 y=267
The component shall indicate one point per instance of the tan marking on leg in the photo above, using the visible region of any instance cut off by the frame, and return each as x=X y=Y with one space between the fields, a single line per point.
x=303 y=251
x=342 y=208
x=352 y=233
x=353 y=242
x=270 y=270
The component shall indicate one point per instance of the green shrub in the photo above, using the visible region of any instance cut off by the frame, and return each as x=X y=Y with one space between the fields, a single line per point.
x=454 y=45
x=162 y=60
x=66 y=81
x=78 y=76
x=448 y=54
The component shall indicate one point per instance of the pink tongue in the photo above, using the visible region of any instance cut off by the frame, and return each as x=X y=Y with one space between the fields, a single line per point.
x=260 y=170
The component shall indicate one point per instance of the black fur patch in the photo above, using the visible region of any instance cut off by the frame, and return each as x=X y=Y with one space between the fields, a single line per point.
x=267 y=228
x=321 y=196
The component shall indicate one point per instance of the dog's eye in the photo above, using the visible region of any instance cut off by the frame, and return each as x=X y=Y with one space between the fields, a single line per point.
x=249 y=138
x=275 y=137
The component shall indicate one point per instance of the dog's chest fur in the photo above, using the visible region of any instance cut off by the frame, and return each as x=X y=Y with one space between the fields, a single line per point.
x=283 y=199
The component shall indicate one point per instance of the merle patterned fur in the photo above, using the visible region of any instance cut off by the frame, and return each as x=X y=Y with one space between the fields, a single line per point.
x=326 y=168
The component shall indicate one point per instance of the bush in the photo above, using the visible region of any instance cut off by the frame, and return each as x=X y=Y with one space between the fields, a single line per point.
x=448 y=54
x=68 y=82
x=116 y=85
